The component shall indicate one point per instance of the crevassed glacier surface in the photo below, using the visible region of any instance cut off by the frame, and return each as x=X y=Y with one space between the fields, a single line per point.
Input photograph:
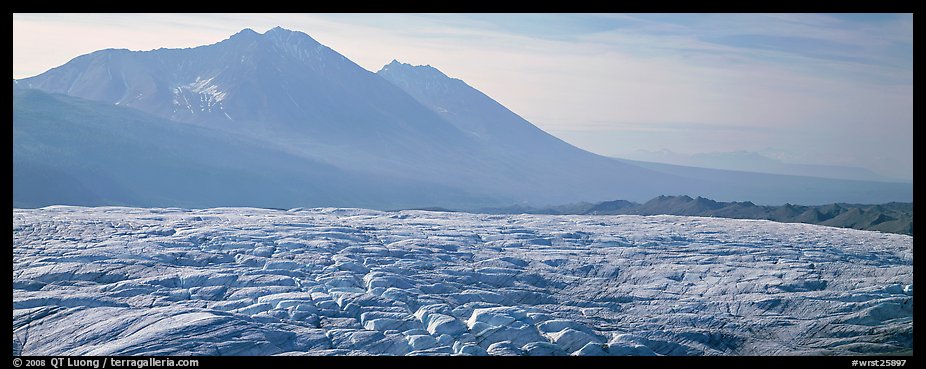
x=236 y=281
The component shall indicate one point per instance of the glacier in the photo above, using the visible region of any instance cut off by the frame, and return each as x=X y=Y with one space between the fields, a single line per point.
x=347 y=281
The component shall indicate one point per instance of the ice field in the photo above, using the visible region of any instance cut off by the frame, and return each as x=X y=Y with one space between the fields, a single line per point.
x=243 y=281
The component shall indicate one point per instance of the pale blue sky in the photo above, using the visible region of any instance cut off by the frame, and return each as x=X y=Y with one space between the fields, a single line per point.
x=814 y=88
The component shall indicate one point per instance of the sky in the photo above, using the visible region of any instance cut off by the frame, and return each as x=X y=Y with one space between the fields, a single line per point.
x=833 y=89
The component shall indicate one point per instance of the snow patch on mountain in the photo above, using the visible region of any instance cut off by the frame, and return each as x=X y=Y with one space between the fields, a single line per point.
x=207 y=88
x=200 y=96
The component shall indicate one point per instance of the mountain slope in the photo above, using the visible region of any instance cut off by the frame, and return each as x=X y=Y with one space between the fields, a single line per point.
x=73 y=151
x=473 y=112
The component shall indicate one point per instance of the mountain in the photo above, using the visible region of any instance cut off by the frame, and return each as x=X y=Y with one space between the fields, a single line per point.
x=681 y=205
x=288 y=91
x=324 y=131
x=281 y=85
x=778 y=189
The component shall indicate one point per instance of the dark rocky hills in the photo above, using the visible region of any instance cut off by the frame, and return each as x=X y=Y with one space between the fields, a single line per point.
x=893 y=217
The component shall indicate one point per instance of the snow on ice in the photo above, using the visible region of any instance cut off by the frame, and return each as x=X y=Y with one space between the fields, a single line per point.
x=236 y=281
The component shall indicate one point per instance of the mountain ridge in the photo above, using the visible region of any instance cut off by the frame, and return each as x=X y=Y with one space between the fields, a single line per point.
x=758 y=162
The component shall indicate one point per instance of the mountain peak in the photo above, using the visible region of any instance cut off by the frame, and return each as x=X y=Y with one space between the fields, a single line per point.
x=277 y=35
x=246 y=33
x=396 y=67
x=287 y=36
x=280 y=31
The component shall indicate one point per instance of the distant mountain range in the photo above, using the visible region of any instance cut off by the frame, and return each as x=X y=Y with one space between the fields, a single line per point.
x=280 y=120
x=757 y=162
x=891 y=217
